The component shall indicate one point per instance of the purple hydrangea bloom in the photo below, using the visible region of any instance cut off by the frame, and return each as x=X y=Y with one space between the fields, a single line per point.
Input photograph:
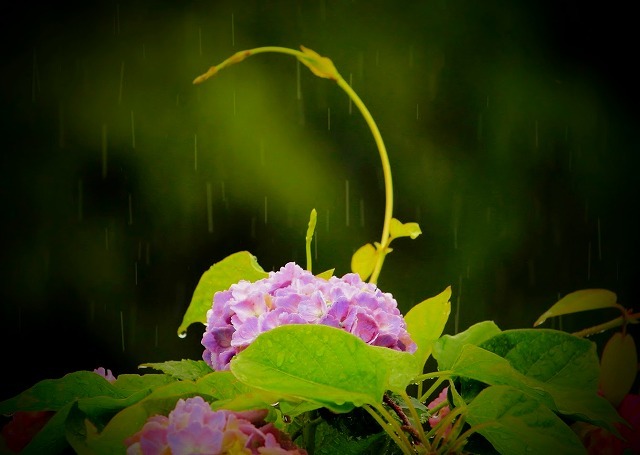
x=293 y=295
x=193 y=427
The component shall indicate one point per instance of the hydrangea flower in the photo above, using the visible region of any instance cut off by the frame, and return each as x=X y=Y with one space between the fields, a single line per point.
x=293 y=295
x=193 y=427
x=441 y=410
x=107 y=374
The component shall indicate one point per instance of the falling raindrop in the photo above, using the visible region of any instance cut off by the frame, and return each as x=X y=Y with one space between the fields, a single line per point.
x=195 y=152
x=156 y=336
x=262 y=157
x=457 y=317
x=122 y=329
x=147 y=255
x=361 y=212
x=121 y=82
x=136 y=271
x=253 y=227
x=410 y=56
x=599 y=242
x=536 y=142
x=223 y=192
x=327 y=224
x=351 y=85
x=589 y=261
x=532 y=272
x=61 y=137
x=35 y=81
x=139 y=250
x=298 y=87
x=80 y=202
x=104 y=150
x=92 y=311
x=133 y=131
x=265 y=210
x=106 y=238
x=200 y=40
x=377 y=57
x=130 y=211
x=144 y=52
x=116 y=20
x=209 y=208
x=417 y=111
x=329 y=119
x=233 y=31
x=346 y=198
x=234 y=102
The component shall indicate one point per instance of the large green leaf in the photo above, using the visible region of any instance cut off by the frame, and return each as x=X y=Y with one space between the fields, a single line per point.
x=221 y=275
x=514 y=423
x=583 y=300
x=447 y=349
x=546 y=364
x=53 y=394
x=426 y=321
x=323 y=365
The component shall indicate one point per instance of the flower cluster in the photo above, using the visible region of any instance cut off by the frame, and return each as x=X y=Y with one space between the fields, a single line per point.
x=293 y=295
x=193 y=427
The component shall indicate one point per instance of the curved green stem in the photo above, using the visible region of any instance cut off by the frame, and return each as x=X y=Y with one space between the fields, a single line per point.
x=323 y=67
x=617 y=322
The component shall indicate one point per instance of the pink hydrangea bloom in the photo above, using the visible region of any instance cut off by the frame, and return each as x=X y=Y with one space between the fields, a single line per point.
x=436 y=418
x=293 y=295
x=107 y=374
x=193 y=427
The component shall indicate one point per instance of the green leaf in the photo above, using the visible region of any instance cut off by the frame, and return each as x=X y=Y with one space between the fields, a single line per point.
x=181 y=369
x=313 y=218
x=514 y=424
x=583 y=300
x=398 y=229
x=364 y=260
x=426 y=321
x=221 y=275
x=447 y=349
x=542 y=363
x=54 y=394
x=319 y=65
x=330 y=440
x=324 y=365
x=618 y=367
x=51 y=439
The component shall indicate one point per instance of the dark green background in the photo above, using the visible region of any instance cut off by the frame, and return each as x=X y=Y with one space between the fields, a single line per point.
x=509 y=127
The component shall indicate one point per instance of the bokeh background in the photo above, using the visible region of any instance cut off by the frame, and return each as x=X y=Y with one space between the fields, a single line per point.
x=510 y=128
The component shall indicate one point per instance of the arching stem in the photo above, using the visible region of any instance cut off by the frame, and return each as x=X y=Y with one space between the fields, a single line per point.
x=323 y=67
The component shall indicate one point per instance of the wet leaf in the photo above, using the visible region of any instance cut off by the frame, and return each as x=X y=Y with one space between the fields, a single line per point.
x=618 y=367
x=426 y=321
x=323 y=365
x=221 y=275
x=558 y=369
x=398 y=229
x=181 y=369
x=448 y=347
x=364 y=261
x=583 y=300
x=319 y=65
x=514 y=423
